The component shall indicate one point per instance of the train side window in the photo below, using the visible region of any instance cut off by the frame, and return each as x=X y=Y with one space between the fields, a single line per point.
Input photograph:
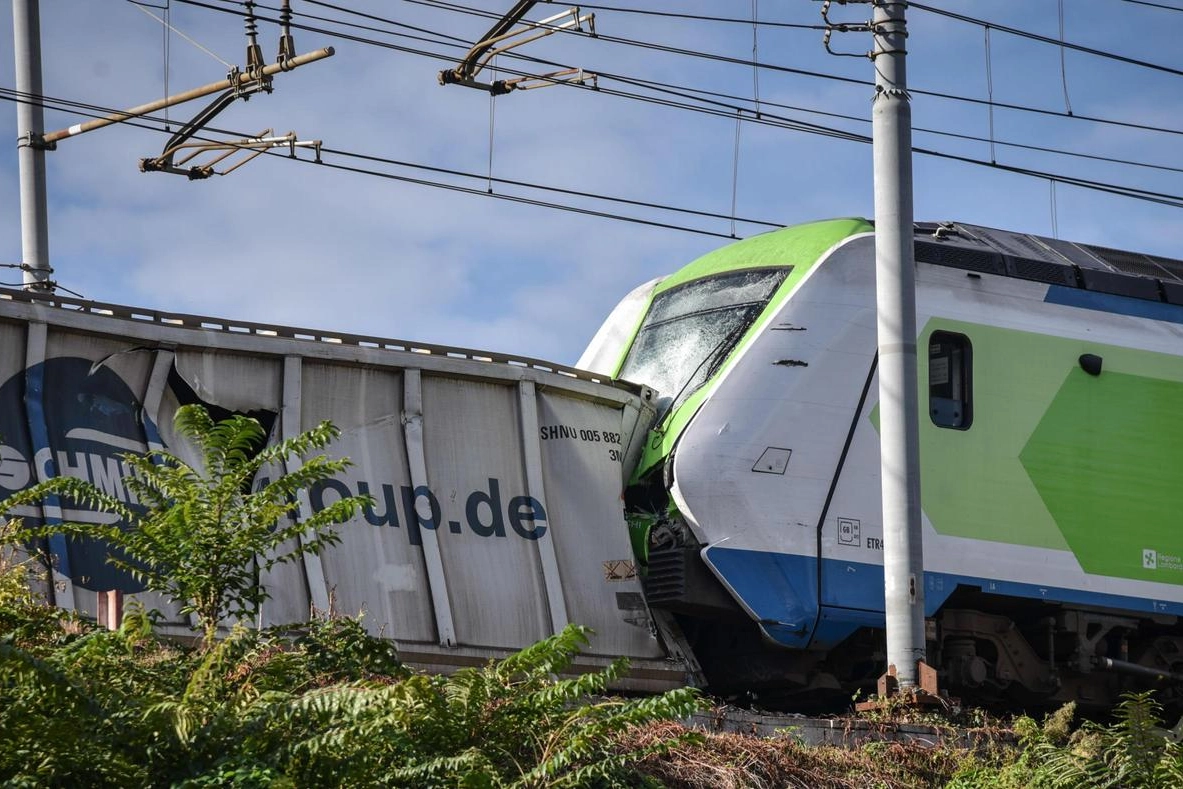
x=950 y=383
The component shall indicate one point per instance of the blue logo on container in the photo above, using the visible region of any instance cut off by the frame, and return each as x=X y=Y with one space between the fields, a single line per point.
x=68 y=417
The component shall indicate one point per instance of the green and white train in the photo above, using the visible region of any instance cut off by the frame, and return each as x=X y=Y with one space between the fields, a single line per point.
x=1052 y=454
x=1052 y=461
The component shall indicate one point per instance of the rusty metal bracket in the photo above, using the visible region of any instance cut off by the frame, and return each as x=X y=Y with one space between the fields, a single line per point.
x=927 y=692
x=251 y=146
x=287 y=44
x=164 y=162
x=569 y=76
x=236 y=79
x=35 y=141
x=503 y=37
x=254 y=52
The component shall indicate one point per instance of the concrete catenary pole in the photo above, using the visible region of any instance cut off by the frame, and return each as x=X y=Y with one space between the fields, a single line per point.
x=895 y=283
x=26 y=34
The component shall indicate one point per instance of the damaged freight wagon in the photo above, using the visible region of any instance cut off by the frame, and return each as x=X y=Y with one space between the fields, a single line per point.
x=497 y=480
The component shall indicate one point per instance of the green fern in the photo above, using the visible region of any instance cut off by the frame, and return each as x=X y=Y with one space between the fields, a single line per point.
x=327 y=704
x=204 y=532
x=1133 y=753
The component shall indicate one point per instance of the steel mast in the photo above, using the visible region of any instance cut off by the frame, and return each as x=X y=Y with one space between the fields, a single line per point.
x=26 y=35
x=895 y=286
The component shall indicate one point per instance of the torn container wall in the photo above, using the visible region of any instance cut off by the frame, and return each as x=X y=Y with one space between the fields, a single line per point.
x=497 y=515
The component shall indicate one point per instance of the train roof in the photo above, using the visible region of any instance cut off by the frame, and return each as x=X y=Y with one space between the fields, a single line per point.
x=963 y=246
x=1051 y=260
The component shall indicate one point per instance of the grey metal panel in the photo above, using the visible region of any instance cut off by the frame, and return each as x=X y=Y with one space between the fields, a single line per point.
x=286 y=584
x=426 y=523
x=291 y=425
x=1128 y=262
x=1121 y=284
x=472 y=440
x=234 y=381
x=1173 y=268
x=15 y=470
x=636 y=418
x=1173 y=291
x=536 y=488
x=960 y=253
x=1013 y=244
x=162 y=364
x=375 y=569
x=1039 y=270
x=587 y=524
x=36 y=341
x=1077 y=254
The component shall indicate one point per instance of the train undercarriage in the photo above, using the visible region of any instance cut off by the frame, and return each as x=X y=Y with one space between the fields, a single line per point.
x=995 y=652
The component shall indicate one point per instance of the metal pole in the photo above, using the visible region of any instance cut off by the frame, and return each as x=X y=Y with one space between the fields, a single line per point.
x=895 y=284
x=30 y=123
x=241 y=79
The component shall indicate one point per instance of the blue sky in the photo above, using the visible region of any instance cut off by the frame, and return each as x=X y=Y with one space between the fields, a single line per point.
x=292 y=243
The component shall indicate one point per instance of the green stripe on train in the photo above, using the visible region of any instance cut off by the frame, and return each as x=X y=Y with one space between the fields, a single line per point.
x=1060 y=459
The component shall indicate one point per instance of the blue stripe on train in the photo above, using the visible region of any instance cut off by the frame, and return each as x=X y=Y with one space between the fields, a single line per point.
x=1107 y=302
x=781 y=592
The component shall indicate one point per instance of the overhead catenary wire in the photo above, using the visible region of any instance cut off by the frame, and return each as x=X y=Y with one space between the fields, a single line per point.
x=735 y=170
x=941 y=12
x=678 y=51
x=492 y=118
x=167 y=42
x=756 y=66
x=729 y=111
x=755 y=54
x=1154 y=5
x=168 y=26
x=685 y=92
x=785 y=69
x=1085 y=183
x=1054 y=208
x=1063 y=61
x=155 y=124
x=683 y=15
x=469 y=10
x=1014 y=31
x=1147 y=195
x=689 y=90
x=465 y=44
x=524 y=200
x=917 y=129
x=990 y=91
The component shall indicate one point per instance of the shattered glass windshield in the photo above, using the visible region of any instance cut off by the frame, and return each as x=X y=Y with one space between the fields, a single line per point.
x=689 y=330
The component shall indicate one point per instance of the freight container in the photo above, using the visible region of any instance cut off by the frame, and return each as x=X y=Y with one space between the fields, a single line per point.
x=497 y=480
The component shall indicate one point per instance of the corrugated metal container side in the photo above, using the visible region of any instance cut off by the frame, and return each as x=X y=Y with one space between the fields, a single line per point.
x=497 y=480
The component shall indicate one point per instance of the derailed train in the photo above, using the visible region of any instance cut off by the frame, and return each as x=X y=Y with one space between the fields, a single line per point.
x=1051 y=377
x=1051 y=387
